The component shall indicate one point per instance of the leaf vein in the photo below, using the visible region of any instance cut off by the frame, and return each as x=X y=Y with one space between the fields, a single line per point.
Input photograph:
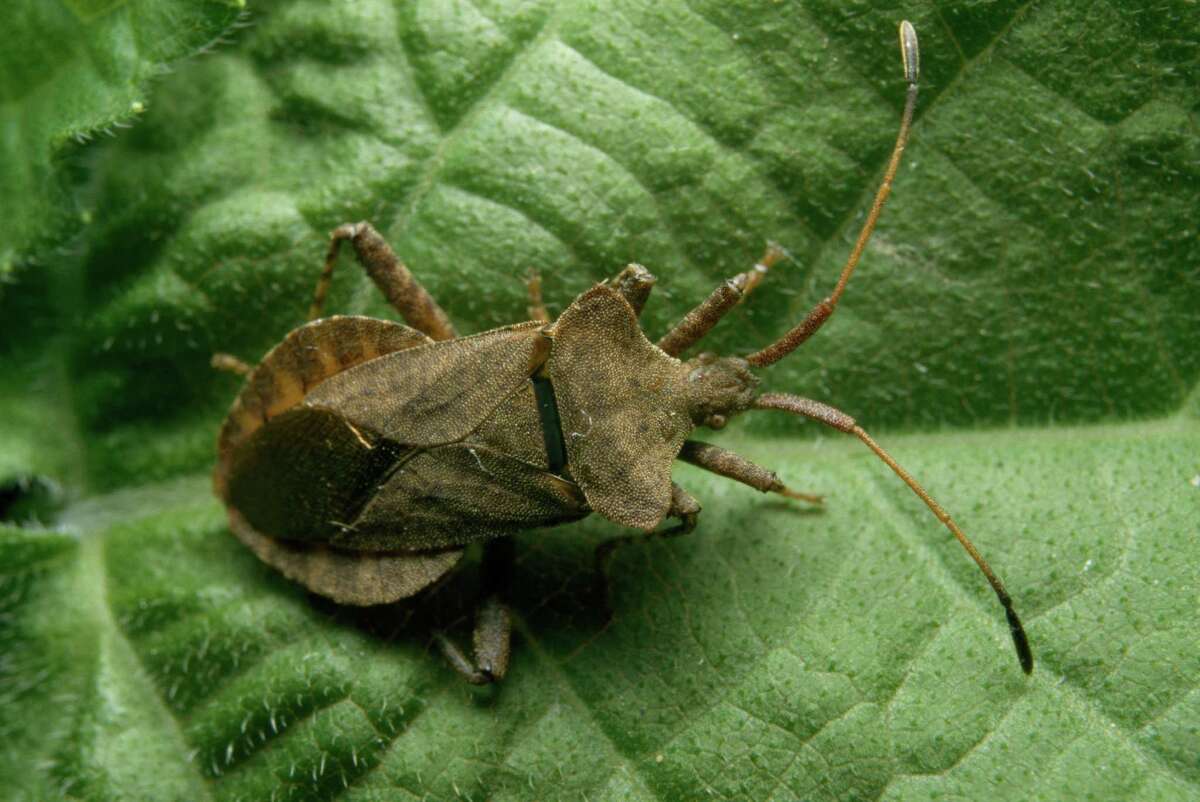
x=97 y=556
x=577 y=700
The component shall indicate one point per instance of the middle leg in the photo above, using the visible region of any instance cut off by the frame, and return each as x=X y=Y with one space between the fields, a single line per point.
x=724 y=462
x=683 y=507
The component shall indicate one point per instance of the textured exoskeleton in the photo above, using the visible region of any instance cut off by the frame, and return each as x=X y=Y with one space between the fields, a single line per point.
x=363 y=455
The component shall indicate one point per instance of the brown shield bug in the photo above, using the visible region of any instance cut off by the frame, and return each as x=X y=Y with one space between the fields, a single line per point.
x=363 y=455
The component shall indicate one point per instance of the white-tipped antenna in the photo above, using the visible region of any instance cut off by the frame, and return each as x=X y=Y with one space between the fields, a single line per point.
x=909 y=52
x=911 y=59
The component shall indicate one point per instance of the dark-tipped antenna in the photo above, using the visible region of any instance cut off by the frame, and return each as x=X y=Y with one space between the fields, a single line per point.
x=911 y=58
x=839 y=420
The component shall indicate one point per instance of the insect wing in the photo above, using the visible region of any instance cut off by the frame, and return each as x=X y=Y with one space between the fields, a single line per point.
x=307 y=474
x=348 y=577
x=438 y=393
x=308 y=356
x=456 y=494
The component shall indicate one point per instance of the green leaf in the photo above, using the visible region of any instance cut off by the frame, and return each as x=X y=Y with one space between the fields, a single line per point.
x=1033 y=292
x=69 y=71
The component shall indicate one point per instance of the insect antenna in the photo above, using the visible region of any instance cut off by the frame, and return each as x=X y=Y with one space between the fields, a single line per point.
x=910 y=56
x=839 y=420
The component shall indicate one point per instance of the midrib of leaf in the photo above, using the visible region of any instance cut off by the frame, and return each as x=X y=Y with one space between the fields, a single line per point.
x=121 y=646
x=114 y=648
x=96 y=515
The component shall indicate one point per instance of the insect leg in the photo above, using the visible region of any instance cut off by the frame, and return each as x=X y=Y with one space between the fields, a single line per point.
x=683 y=506
x=536 y=309
x=398 y=285
x=492 y=639
x=724 y=462
x=493 y=645
x=634 y=283
x=729 y=294
x=230 y=364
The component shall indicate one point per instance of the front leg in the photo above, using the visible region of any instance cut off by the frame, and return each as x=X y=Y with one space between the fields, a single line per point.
x=724 y=462
x=725 y=297
x=634 y=283
x=683 y=506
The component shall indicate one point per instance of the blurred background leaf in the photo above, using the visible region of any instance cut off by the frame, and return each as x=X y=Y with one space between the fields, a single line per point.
x=71 y=71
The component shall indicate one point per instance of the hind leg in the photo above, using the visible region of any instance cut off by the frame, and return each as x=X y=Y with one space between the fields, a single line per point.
x=536 y=308
x=398 y=285
x=230 y=364
x=394 y=280
x=492 y=640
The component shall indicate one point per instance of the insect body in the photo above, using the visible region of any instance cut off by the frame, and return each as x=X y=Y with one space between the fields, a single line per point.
x=363 y=455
